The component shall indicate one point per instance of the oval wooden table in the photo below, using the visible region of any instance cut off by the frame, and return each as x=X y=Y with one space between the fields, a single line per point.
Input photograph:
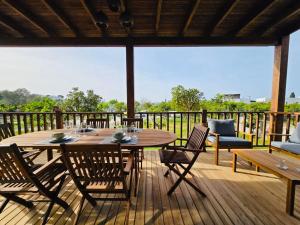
x=40 y=140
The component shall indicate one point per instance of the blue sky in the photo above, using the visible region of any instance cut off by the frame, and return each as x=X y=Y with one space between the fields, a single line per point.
x=54 y=71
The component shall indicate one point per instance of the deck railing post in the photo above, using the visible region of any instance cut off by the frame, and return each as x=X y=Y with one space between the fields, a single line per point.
x=204 y=118
x=59 y=118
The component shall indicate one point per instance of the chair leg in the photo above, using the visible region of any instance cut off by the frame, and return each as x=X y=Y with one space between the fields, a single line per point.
x=168 y=171
x=79 y=210
x=182 y=177
x=48 y=213
x=2 y=207
x=18 y=200
x=217 y=155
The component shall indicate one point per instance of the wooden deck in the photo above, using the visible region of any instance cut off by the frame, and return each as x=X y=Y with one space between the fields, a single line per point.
x=246 y=197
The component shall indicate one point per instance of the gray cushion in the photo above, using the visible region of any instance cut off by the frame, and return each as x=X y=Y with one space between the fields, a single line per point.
x=288 y=146
x=295 y=137
x=222 y=127
x=226 y=141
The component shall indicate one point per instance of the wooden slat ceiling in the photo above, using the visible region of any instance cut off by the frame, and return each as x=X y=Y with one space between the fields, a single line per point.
x=250 y=22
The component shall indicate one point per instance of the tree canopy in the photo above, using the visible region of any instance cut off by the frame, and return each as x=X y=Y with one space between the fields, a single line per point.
x=183 y=99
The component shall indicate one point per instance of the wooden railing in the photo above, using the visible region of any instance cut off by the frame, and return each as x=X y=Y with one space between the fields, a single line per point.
x=180 y=123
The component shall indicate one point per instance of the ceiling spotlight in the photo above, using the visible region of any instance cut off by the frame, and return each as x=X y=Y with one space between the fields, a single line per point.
x=101 y=20
x=126 y=19
x=114 y=5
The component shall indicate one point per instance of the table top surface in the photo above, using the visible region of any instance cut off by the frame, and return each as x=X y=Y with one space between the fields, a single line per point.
x=145 y=138
x=270 y=162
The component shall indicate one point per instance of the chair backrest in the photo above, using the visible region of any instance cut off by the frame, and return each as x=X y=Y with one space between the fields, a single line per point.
x=197 y=138
x=13 y=168
x=98 y=123
x=94 y=163
x=6 y=131
x=222 y=127
x=137 y=122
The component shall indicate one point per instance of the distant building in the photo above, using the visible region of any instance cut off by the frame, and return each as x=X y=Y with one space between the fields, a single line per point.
x=292 y=100
x=232 y=97
x=263 y=99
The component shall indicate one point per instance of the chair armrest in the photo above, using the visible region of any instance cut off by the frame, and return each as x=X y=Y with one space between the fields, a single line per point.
x=28 y=154
x=45 y=166
x=214 y=134
x=129 y=164
x=274 y=134
x=181 y=149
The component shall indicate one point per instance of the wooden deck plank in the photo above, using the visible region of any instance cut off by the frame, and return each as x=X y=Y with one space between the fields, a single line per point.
x=245 y=197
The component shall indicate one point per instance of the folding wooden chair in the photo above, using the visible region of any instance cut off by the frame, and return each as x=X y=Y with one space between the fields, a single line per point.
x=18 y=178
x=98 y=123
x=98 y=169
x=6 y=131
x=174 y=156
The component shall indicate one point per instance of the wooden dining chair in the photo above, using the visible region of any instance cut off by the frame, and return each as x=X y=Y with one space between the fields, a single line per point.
x=174 y=156
x=98 y=169
x=98 y=123
x=7 y=131
x=18 y=178
x=138 y=123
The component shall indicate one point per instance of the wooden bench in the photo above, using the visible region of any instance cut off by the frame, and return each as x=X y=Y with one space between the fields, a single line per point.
x=268 y=163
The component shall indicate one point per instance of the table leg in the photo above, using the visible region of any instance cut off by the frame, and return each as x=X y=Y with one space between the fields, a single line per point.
x=234 y=162
x=290 y=198
x=49 y=154
x=136 y=165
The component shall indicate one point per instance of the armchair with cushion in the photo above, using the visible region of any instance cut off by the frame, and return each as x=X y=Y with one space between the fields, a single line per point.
x=222 y=135
x=291 y=146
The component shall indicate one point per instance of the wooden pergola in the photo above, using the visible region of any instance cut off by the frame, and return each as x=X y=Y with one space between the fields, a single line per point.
x=75 y=23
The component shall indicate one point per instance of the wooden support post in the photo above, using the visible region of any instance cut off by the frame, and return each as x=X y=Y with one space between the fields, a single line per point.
x=279 y=83
x=130 y=80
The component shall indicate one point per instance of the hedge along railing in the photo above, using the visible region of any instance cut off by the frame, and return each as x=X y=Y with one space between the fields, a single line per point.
x=180 y=123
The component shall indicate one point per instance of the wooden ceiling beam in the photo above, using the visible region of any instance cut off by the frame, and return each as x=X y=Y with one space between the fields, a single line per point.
x=158 y=14
x=291 y=28
x=254 y=14
x=91 y=12
x=190 y=17
x=140 y=42
x=283 y=15
x=14 y=26
x=27 y=14
x=221 y=16
x=61 y=15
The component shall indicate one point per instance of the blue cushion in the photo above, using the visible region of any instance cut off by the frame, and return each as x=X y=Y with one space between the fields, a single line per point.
x=222 y=127
x=288 y=146
x=226 y=141
x=295 y=137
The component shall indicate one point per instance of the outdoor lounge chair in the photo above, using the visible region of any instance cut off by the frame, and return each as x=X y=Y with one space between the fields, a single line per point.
x=185 y=157
x=98 y=123
x=98 y=169
x=222 y=135
x=291 y=146
x=138 y=123
x=18 y=178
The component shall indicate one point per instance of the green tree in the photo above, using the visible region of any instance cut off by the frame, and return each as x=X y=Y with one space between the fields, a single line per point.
x=186 y=99
x=78 y=101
